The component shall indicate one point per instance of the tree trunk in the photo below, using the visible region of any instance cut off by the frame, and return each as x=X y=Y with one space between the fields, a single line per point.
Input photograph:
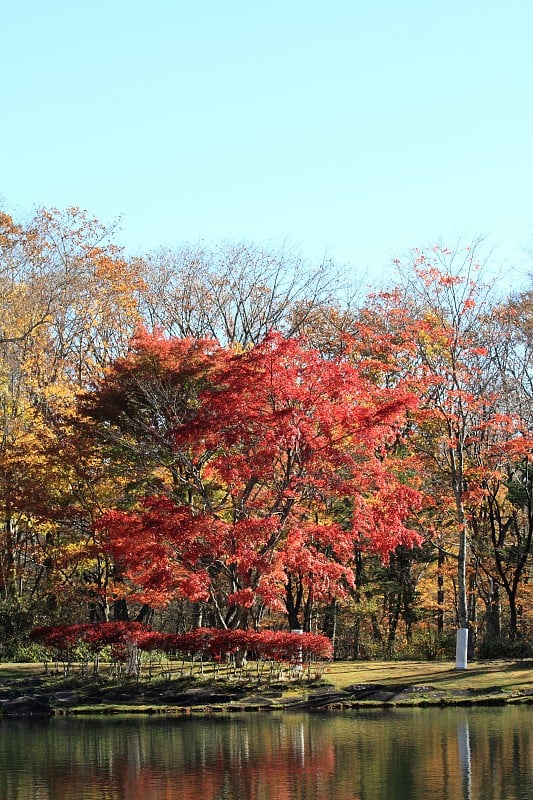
x=440 y=591
x=8 y=560
x=293 y=602
x=513 y=615
x=308 y=611
x=120 y=610
x=493 y=627
x=461 y=652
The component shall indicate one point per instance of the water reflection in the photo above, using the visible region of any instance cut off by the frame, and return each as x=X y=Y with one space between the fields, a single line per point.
x=463 y=741
x=423 y=754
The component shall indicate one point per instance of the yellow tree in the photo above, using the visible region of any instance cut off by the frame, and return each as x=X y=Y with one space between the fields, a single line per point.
x=69 y=302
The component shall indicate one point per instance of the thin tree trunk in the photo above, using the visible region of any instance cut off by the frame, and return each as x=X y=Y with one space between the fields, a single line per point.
x=440 y=591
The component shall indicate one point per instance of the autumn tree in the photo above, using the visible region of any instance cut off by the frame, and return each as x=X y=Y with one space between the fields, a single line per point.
x=503 y=524
x=234 y=293
x=265 y=443
x=69 y=306
x=438 y=317
x=143 y=400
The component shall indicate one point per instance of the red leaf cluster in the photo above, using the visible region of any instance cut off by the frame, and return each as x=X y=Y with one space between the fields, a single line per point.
x=211 y=643
x=273 y=440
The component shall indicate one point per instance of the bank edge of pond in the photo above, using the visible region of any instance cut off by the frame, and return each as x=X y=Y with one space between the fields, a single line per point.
x=309 y=707
x=27 y=689
x=67 y=699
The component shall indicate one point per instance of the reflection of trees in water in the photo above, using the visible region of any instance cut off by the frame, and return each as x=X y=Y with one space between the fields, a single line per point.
x=446 y=754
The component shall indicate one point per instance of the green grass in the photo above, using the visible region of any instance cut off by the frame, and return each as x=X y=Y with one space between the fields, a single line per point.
x=439 y=682
x=479 y=676
x=9 y=670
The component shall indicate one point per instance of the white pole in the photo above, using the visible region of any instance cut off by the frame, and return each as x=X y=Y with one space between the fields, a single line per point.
x=298 y=667
x=461 y=649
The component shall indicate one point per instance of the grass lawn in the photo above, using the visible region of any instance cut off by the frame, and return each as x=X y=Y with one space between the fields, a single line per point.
x=507 y=675
x=483 y=675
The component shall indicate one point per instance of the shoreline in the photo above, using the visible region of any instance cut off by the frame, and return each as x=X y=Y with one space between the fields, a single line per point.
x=206 y=701
x=29 y=691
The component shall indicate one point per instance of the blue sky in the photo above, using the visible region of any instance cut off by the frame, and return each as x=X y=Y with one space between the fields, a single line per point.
x=353 y=130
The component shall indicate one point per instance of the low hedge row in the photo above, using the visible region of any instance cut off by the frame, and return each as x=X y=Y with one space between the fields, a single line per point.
x=208 y=643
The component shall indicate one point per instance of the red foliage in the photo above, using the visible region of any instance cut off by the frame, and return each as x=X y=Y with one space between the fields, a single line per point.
x=276 y=436
x=211 y=643
x=64 y=638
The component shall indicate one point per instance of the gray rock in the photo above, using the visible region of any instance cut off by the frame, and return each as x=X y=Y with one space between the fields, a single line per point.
x=26 y=706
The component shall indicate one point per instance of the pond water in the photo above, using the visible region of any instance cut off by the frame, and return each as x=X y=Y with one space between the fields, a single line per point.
x=410 y=754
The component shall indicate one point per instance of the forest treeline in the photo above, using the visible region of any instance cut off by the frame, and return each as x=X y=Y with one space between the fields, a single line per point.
x=225 y=437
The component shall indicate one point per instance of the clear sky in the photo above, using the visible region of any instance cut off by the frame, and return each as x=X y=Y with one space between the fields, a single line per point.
x=352 y=129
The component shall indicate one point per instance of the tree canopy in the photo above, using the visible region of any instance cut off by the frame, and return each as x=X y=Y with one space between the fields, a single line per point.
x=229 y=437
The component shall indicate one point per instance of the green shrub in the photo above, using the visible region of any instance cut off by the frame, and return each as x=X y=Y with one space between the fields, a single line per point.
x=429 y=645
x=501 y=647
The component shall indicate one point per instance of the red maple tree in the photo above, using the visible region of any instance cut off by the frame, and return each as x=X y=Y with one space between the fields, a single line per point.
x=282 y=462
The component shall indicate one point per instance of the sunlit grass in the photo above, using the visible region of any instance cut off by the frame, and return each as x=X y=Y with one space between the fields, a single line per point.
x=506 y=675
x=340 y=674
